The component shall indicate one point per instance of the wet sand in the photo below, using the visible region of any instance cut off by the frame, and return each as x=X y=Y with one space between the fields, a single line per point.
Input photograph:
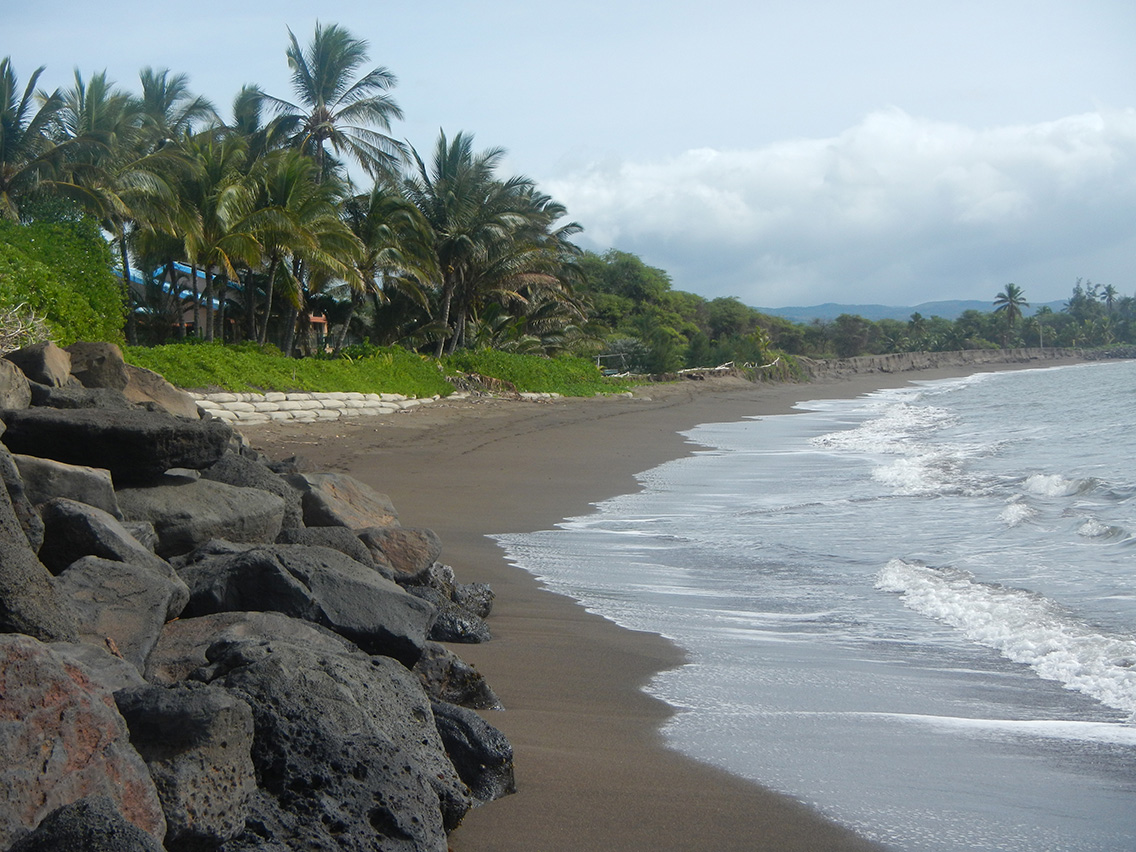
x=592 y=770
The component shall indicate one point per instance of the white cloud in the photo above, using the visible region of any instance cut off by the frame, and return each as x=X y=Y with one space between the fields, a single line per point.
x=896 y=209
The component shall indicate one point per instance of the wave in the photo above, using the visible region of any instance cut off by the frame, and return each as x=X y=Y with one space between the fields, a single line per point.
x=891 y=432
x=1025 y=627
x=1092 y=528
x=1056 y=485
x=1054 y=729
x=1017 y=512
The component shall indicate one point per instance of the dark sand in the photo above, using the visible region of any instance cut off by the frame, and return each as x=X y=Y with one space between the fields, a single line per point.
x=592 y=770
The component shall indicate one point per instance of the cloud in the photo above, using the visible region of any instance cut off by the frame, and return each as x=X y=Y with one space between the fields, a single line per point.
x=897 y=209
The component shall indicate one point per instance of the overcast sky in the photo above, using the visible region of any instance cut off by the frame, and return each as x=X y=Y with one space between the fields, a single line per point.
x=784 y=153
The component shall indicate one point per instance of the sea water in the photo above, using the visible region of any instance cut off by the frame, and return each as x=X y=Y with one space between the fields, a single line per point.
x=915 y=610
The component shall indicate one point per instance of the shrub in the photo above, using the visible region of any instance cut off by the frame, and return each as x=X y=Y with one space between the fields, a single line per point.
x=62 y=272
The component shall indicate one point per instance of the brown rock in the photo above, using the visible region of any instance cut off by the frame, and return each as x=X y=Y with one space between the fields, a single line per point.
x=410 y=552
x=145 y=386
x=63 y=740
x=338 y=500
x=15 y=392
x=98 y=365
x=45 y=363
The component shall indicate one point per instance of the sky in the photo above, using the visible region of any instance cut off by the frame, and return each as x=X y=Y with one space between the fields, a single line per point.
x=876 y=151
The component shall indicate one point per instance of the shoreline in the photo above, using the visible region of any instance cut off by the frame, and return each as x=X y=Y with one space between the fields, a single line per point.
x=593 y=772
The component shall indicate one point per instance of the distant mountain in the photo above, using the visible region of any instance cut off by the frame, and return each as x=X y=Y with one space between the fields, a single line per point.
x=947 y=310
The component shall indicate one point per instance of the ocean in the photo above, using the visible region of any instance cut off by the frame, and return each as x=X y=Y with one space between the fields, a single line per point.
x=914 y=611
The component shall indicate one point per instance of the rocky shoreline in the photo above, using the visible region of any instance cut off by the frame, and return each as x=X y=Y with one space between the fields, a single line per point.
x=203 y=649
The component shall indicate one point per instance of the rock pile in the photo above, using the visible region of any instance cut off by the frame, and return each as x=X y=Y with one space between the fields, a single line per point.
x=201 y=649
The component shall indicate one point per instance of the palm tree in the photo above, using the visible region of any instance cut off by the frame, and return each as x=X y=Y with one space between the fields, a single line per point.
x=527 y=273
x=396 y=249
x=222 y=202
x=27 y=149
x=1010 y=303
x=120 y=175
x=335 y=108
x=169 y=111
x=1108 y=296
x=468 y=211
x=297 y=222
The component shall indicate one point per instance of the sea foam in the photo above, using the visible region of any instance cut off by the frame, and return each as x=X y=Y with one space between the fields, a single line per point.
x=1025 y=627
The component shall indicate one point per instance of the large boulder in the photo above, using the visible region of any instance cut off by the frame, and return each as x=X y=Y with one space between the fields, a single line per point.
x=337 y=538
x=44 y=479
x=338 y=500
x=197 y=741
x=92 y=824
x=145 y=387
x=481 y=754
x=75 y=530
x=14 y=389
x=29 y=602
x=450 y=679
x=104 y=668
x=316 y=584
x=184 y=643
x=134 y=445
x=410 y=552
x=244 y=472
x=453 y=623
x=21 y=504
x=77 y=396
x=119 y=605
x=45 y=363
x=346 y=750
x=61 y=740
x=188 y=512
x=98 y=365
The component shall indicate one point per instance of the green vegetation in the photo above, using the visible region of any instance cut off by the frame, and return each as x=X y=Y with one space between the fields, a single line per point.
x=565 y=375
x=252 y=231
x=61 y=272
x=250 y=367
x=363 y=369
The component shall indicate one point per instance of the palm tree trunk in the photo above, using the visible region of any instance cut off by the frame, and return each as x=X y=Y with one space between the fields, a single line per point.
x=179 y=306
x=447 y=297
x=268 y=297
x=250 y=305
x=132 y=320
x=341 y=335
x=208 y=295
x=220 y=313
x=196 y=302
x=289 y=335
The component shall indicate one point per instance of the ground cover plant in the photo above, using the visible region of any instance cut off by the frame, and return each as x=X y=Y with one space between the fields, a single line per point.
x=363 y=369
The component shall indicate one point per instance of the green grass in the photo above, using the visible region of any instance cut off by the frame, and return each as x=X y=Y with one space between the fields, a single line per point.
x=247 y=367
x=532 y=373
x=251 y=368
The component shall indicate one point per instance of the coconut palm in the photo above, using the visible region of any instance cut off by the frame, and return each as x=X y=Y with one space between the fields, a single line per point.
x=336 y=108
x=469 y=212
x=1109 y=295
x=222 y=201
x=116 y=171
x=298 y=224
x=1010 y=303
x=28 y=151
x=397 y=250
x=527 y=273
x=169 y=111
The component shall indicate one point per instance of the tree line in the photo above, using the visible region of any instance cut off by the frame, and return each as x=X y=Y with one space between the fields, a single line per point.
x=255 y=227
x=247 y=228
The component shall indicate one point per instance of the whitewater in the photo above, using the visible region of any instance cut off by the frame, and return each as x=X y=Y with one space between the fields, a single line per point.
x=914 y=611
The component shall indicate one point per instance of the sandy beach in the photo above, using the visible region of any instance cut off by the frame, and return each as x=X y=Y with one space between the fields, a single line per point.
x=592 y=770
